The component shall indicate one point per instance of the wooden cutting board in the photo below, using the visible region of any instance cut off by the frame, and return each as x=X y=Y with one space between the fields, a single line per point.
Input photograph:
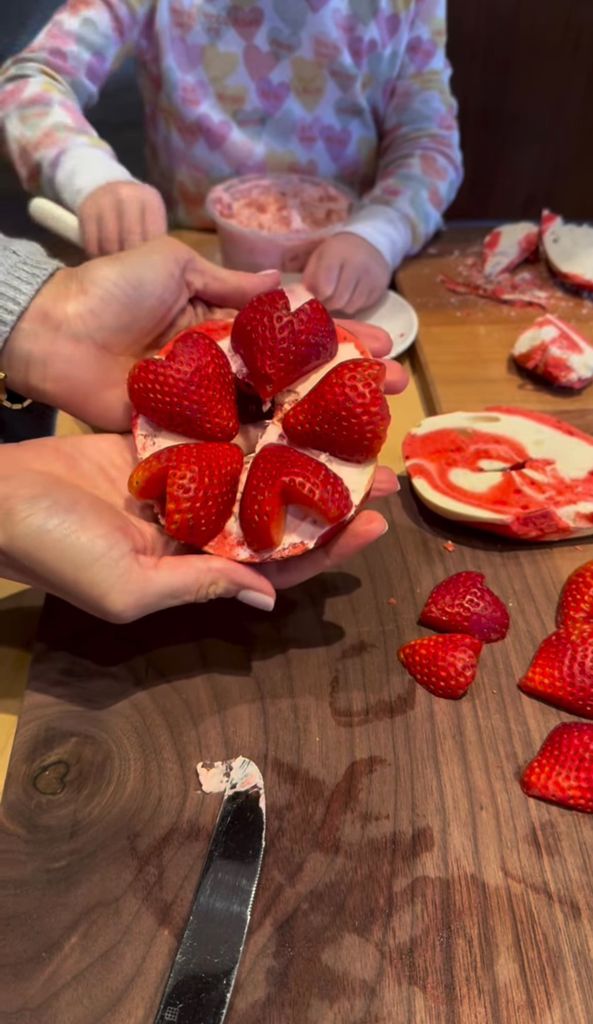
x=464 y=342
x=406 y=877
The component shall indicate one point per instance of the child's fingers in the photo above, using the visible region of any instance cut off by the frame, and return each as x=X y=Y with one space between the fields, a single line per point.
x=363 y=296
x=321 y=274
x=89 y=228
x=109 y=228
x=132 y=218
x=154 y=216
x=345 y=285
x=121 y=215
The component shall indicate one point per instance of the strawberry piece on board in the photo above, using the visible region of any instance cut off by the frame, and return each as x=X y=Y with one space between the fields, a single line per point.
x=444 y=665
x=562 y=770
x=464 y=604
x=575 y=607
x=561 y=671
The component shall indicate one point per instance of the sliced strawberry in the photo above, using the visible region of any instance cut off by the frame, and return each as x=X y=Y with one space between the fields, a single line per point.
x=562 y=770
x=194 y=487
x=561 y=672
x=464 y=604
x=281 y=476
x=279 y=346
x=443 y=665
x=575 y=607
x=191 y=391
x=345 y=414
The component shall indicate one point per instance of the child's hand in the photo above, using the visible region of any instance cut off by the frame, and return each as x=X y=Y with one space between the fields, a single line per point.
x=347 y=273
x=121 y=215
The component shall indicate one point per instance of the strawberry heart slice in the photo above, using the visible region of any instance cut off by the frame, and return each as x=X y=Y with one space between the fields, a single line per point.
x=561 y=672
x=444 y=665
x=194 y=487
x=281 y=476
x=190 y=392
x=345 y=414
x=279 y=346
x=464 y=604
x=562 y=770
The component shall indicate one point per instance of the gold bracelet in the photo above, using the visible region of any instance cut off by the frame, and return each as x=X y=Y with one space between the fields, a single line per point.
x=3 y=397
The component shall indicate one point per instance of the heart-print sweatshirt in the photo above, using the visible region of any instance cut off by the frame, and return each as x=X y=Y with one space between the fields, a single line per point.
x=356 y=91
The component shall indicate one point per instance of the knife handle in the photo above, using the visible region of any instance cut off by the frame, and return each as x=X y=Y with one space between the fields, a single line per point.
x=55 y=218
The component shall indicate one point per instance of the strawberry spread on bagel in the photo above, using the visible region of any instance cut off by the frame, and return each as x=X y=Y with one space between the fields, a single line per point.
x=258 y=437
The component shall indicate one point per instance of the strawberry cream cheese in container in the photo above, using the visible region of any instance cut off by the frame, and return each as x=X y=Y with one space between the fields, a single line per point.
x=275 y=220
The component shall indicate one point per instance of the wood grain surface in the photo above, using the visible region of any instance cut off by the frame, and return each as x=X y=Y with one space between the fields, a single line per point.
x=523 y=76
x=406 y=877
x=464 y=342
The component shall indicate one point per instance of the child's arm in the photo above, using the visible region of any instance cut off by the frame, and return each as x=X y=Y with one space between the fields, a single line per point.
x=419 y=172
x=53 y=147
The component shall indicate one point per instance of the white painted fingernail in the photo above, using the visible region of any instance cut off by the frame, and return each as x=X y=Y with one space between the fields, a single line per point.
x=271 y=271
x=255 y=598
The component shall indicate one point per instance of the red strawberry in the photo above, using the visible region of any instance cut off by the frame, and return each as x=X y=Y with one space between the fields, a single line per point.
x=281 y=476
x=194 y=487
x=443 y=665
x=561 y=672
x=345 y=414
x=464 y=604
x=277 y=346
x=191 y=391
x=575 y=607
x=562 y=770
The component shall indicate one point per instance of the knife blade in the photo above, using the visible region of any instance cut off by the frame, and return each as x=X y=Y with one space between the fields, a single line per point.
x=200 y=985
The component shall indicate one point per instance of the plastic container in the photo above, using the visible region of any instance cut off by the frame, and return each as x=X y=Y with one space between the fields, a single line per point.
x=275 y=220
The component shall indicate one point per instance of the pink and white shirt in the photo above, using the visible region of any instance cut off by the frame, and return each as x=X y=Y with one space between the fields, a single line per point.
x=356 y=91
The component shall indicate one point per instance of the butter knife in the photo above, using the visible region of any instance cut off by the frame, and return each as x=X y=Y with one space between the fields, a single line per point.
x=200 y=985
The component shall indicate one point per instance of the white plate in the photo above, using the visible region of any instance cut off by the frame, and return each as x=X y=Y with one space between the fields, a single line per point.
x=393 y=313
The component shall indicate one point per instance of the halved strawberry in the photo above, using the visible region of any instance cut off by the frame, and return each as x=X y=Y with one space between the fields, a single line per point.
x=191 y=391
x=575 y=607
x=562 y=770
x=194 y=487
x=464 y=604
x=279 y=346
x=561 y=672
x=281 y=476
x=345 y=414
x=444 y=665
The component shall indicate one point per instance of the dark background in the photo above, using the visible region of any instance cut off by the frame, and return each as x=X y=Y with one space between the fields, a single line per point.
x=523 y=77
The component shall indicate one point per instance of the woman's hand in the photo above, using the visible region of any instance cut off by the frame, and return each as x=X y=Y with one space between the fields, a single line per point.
x=69 y=526
x=74 y=346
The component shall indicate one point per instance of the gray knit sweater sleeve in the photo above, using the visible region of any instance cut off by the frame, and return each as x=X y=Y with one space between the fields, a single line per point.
x=24 y=268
